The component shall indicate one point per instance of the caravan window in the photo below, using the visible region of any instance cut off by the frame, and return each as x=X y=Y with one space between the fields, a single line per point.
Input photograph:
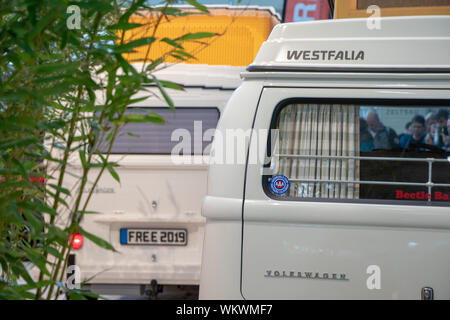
x=362 y=151
x=188 y=123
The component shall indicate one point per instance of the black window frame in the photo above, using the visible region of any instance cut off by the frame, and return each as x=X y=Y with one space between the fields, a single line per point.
x=355 y=101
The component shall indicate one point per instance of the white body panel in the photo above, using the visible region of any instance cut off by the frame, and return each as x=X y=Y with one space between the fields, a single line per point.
x=410 y=244
x=178 y=191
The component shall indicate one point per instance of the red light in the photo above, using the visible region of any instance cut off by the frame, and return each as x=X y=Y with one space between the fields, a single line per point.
x=77 y=241
x=37 y=179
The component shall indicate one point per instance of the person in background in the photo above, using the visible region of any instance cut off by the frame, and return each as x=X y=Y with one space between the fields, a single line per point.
x=430 y=118
x=418 y=133
x=447 y=137
x=366 y=140
x=382 y=137
x=407 y=130
x=442 y=118
x=430 y=135
x=438 y=131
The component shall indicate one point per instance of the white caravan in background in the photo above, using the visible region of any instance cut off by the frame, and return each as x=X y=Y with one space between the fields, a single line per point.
x=153 y=217
x=336 y=202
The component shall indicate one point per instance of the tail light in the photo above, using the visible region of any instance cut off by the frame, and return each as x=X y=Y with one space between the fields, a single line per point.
x=76 y=240
x=32 y=179
x=37 y=179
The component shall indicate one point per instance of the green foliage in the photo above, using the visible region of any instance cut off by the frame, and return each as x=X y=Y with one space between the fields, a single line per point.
x=49 y=114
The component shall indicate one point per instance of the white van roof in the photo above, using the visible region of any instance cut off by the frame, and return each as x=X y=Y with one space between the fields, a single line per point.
x=392 y=44
x=197 y=75
x=202 y=75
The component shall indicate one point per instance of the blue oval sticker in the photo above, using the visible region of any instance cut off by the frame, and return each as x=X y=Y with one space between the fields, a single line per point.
x=279 y=184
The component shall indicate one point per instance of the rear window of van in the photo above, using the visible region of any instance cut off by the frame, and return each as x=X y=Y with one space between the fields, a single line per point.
x=359 y=152
x=189 y=123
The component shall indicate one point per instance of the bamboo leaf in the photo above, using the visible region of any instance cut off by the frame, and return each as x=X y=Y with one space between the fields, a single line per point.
x=87 y=212
x=36 y=223
x=183 y=53
x=56 y=67
x=37 y=259
x=197 y=35
x=42 y=23
x=103 y=6
x=177 y=12
x=54 y=252
x=75 y=296
x=141 y=118
x=17 y=143
x=171 y=85
x=60 y=200
x=124 y=25
x=133 y=101
x=45 y=208
x=172 y=43
x=55 y=233
x=83 y=158
x=60 y=189
x=98 y=241
x=154 y=64
x=135 y=6
x=26 y=287
x=178 y=57
x=131 y=134
x=197 y=5
x=128 y=47
x=113 y=172
x=164 y=93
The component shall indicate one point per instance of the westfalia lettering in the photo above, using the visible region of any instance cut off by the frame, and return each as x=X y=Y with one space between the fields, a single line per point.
x=421 y=195
x=351 y=55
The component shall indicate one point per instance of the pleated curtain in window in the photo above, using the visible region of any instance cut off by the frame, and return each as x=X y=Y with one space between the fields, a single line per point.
x=319 y=130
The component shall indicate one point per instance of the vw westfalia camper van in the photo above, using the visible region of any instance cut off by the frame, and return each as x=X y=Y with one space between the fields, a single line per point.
x=340 y=187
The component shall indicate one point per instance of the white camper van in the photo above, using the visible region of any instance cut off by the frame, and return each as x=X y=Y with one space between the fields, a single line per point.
x=153 y=217
x=344 y=190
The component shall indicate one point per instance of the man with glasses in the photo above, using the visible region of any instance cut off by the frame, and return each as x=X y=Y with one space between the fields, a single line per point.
x=418 y=133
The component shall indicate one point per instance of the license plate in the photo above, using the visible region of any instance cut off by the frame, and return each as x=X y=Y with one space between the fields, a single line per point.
x=165 y=237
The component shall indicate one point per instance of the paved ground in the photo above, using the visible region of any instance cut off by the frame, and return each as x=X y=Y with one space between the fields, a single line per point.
x=169 y=293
